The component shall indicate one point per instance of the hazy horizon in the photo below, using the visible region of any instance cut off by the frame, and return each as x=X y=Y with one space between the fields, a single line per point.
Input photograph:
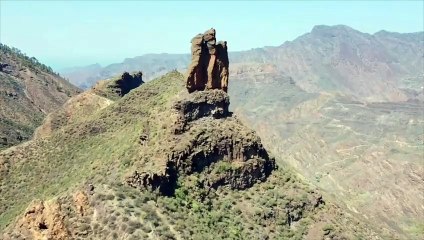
x=74 y=33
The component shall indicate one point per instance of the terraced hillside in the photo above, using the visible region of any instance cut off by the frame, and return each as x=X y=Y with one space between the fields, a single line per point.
x=159 y=163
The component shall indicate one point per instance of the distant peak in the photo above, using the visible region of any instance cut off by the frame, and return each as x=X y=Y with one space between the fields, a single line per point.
x=333 y=27
x=387 y=33
x=332 y=30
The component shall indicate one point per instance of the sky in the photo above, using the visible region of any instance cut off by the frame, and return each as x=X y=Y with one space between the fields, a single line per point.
x=65 y=34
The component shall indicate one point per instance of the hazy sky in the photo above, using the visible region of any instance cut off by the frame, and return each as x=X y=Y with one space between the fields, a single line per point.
x=76 y=33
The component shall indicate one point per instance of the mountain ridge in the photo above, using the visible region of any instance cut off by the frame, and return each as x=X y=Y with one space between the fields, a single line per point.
x=30 y=90
x=88 y=190
x=383 y=66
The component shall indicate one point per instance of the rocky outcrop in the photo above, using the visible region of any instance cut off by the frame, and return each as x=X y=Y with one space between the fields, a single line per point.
x=198 y=105
x=128 y=82
x=240 y=176
x=42 y=220
x=209 y=141
x=165 y=181
x=81 y=203
x=118 y=87
x=209 y=68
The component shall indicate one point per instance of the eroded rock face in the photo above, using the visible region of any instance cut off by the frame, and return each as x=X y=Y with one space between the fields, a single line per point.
x=209 y=141
x=197 y=105
x=129 y=82
x=43 y=220
x=118 y=87
x=59 y=218
x=209 y=68
x=81 y=203
x=165 y=181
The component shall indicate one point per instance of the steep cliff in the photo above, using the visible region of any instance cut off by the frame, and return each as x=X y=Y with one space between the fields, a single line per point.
x=210 y=142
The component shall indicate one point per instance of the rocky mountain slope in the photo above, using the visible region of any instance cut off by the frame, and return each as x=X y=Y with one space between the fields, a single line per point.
x=344 y=108
x=159 y=163
x=384 y=66
x=340 y=59
x=367 y=155
x=364 y=146
x=90 y=101
x=28 y=91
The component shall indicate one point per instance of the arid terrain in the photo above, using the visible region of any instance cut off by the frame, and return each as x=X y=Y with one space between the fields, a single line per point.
x=29 y=91
x=159 y=163
x=367 y=155
x=321 y=137
x=344 y=108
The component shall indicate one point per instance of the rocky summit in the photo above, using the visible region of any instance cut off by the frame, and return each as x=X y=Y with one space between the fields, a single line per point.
x=206 y=137
x=208 y=141
x=209 y=63
x=117 y=87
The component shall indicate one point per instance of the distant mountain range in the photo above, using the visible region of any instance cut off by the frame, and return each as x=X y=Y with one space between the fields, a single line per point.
x=384 y=66
x=345 y=109
x=340 y=110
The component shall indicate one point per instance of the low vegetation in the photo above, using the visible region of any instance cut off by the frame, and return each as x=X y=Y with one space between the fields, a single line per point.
x=27 y=61
x=94 y=154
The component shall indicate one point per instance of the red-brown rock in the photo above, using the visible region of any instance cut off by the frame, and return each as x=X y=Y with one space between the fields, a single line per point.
x=209 y=64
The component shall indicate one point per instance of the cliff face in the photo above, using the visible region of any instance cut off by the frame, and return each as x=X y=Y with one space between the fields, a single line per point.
x=209 y=63
x=207 y=140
